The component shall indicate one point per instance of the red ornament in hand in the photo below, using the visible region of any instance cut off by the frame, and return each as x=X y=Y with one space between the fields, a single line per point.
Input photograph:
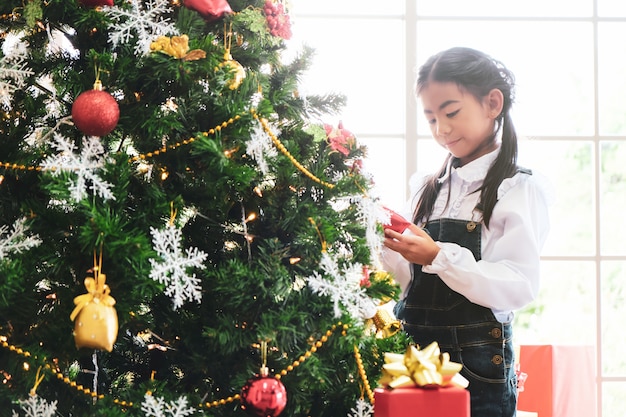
x=96 y=3
x=95 y=112
x=396 y=223
x=263 y=396
x=209 y=9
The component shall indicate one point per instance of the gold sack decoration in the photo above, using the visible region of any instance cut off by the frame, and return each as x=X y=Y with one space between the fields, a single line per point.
x=95 y=318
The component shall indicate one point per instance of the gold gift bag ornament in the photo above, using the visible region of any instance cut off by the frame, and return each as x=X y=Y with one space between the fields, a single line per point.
x=95 y=318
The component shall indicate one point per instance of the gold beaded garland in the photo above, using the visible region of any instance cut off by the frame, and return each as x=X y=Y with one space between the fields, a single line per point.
x=208 y=404
x=362 y=374
x=286 y=152
x=164 y=149
x=216 y=129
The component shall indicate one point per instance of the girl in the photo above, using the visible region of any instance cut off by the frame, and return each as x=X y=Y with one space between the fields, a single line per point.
x=480 y=223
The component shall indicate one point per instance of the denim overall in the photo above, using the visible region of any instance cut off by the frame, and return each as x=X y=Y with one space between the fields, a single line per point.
x=432 y=312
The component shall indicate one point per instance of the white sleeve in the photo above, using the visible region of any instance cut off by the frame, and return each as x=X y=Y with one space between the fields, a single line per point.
x=393 y=262
x=398 y=267
x=507 y=276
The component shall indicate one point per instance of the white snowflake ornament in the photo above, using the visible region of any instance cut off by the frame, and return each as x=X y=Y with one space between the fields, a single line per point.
x=362 y=409
x=85 y=165
x=157 y=407
x=14 y=69
x=172 y=269
x=260 y=148
x=144 y=22
x=343 y=286
x=37 y=407
x=16 y=241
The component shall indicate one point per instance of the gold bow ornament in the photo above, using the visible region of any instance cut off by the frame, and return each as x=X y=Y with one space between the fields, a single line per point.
x=177 y=47
x=95 y=318
x=426 y=368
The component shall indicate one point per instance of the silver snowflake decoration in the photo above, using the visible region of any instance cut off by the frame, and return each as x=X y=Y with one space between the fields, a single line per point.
x=362 y=409
x=157 y=407
x=37 y=407
x=371 y=213
x=172 y=269
x=343 y=286
x=13 y=67
x=260 y=147
x=142 y=22
x=16 y=241
x=85 y=166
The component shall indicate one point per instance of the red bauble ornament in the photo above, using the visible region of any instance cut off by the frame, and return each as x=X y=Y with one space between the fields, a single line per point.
x=95 y=112
x=263 y=396
x=209 y=9
x=96 y=3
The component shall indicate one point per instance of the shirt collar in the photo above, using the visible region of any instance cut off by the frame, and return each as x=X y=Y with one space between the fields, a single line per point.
x=474 y=171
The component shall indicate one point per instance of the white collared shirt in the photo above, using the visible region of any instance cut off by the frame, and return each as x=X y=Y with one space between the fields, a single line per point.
x=507 y=276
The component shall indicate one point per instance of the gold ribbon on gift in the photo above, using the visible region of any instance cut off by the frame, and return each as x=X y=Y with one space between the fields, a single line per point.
x=426 y=368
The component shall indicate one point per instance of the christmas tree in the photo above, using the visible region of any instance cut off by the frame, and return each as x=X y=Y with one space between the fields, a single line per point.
x=181 y=232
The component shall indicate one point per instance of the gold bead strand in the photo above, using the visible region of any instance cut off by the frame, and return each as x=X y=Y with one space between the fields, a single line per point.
x=318 y=344
x=222 y=401
x=176 y=145
x=286 y=152
x=362 y=374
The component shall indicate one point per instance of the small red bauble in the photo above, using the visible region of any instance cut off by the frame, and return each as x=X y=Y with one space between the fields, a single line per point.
x=95 y=112
x=263 y=396
x=96 y=3
x=209 y=9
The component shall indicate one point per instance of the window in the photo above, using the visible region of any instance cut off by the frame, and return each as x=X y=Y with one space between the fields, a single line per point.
x=569 y=112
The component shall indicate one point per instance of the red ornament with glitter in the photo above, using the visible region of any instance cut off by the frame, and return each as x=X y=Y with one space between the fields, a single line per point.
x=96 y=3
x=209 y=9
x=263 y=396
x=95 y=112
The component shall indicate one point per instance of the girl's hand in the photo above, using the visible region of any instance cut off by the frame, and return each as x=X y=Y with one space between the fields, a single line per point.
x=418 y=247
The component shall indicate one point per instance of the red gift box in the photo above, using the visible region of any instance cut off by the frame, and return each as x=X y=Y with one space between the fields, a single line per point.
x=560 y=381
x=410 y=402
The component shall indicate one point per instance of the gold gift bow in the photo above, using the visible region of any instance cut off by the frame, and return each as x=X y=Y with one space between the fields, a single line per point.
x=423 y=368
x=97 y=292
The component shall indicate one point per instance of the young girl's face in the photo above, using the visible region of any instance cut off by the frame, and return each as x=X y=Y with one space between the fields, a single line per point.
x=459 y=122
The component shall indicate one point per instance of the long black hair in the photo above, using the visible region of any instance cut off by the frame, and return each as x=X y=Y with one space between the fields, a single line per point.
x=478 y=74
